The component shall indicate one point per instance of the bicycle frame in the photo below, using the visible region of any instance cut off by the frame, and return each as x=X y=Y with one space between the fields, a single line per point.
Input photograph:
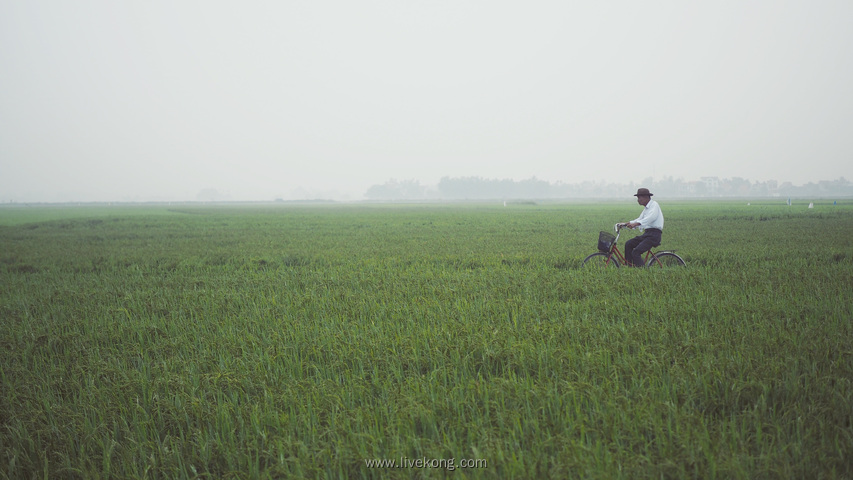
x=615 y=252
x=614 y=256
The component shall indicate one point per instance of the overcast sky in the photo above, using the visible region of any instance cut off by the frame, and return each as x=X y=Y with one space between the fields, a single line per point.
x=161 y=100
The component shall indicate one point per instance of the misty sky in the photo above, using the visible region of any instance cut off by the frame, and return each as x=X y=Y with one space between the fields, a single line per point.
x=161 y=100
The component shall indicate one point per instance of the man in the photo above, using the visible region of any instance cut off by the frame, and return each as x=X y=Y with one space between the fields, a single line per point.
x=651 y=222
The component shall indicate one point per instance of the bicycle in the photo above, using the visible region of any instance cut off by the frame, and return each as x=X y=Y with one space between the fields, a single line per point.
x=609 y=255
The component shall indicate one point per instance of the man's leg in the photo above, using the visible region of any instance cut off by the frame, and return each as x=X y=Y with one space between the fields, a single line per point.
x=630 y=251
x=645 y=242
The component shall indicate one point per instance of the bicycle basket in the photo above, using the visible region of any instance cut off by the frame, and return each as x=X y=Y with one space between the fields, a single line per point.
x=605 y=241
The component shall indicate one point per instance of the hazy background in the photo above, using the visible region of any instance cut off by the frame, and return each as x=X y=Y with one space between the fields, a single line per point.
x=166 y=100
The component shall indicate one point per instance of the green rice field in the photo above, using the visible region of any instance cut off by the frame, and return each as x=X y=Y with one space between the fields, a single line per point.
x=423 y=341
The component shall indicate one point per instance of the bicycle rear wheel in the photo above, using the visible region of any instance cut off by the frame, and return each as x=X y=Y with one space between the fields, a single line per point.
x=600 y=260
x=665 y=260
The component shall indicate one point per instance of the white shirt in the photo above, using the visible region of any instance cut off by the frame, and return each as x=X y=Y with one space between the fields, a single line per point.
x=651 y=217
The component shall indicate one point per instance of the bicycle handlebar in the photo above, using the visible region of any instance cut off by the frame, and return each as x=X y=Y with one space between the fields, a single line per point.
x=617 y=227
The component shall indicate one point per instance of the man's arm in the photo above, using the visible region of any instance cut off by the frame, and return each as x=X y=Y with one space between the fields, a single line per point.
x=635 y=223
x=648 y=217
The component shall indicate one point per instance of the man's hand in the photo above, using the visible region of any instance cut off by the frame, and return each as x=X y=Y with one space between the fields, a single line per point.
x=632 y=224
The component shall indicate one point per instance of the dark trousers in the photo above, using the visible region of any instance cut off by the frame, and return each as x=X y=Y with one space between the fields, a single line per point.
x=637 y=246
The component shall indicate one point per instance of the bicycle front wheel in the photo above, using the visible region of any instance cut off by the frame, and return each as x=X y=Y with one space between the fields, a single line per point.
x=666 y=259
x=600 y=260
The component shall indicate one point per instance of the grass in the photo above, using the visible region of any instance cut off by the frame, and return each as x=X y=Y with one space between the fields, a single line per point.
x=287 y=341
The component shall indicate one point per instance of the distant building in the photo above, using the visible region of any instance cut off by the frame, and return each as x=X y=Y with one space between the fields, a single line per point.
x=688 y=189
x=712 y=185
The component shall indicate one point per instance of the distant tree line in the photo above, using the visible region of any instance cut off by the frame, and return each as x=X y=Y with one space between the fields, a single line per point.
x=479 y=188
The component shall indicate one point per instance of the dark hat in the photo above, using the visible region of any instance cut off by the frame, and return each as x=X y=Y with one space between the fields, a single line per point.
x=643 y=191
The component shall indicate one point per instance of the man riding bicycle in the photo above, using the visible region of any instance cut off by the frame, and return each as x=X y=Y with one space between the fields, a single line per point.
x=651 y=222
